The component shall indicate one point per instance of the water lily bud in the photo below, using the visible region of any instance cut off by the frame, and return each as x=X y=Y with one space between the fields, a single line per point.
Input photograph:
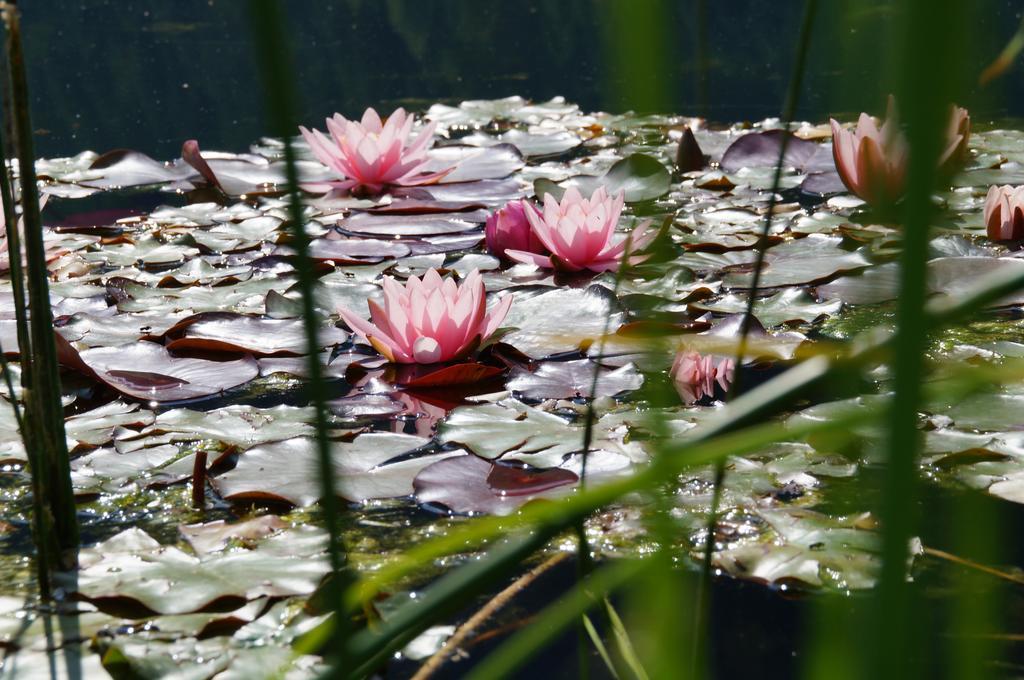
x=689 y=156
x=872 y=161
x=509 y=229
x=695 y=375
x=1004 y=213
x=430 y=320
x=957 y=136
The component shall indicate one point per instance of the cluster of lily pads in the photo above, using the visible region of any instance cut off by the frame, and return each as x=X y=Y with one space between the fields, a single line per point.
x=474 y=274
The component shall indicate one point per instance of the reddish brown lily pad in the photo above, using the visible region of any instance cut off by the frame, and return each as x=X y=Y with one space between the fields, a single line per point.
x=470 y=484
x=469 y=373
x=761 y=149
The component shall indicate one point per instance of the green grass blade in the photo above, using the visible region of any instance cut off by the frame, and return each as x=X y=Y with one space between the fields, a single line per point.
x=51 y=460
x=274 y=59
x=624 y=644
x=370 y=647
x=563 y=613
x=602 y=651
x=924 y=101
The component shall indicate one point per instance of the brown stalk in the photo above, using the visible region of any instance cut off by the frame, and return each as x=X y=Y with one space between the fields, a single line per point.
x=435 y=662
x=199 y=480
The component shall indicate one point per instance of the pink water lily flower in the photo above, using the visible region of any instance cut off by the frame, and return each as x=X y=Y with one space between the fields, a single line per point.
x=578 y=232
x=430 y=320
x=372 y=154
x=509 y=229
x=872 y=161
x=695 y=375
x=1004 y=213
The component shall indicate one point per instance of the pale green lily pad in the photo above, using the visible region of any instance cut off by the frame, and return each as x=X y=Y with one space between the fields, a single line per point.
x=512 y=430
x=560 y=320
x=814 y=549
x=790 y=305
x=288 y=471
x=133 y=568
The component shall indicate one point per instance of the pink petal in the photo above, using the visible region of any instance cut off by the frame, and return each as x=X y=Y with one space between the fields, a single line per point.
x=542 y=261
x=426 y=351
x=496 y=316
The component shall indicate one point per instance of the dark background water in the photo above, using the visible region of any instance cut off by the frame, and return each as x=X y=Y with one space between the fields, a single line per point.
x=149 y=74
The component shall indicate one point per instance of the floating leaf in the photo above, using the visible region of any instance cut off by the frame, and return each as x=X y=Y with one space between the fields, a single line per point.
x=813 y=259
x=134 y=569
x=237 y=424
x=761 y=149
x=147 y=371
x=810 y=548
x=514 y=431
x=468 y=484
x=260 y=336
x=470 y=373
x=125 y=168
x=876 y=284
x=287 y=471
x=560 y=320
x=955 y=276
x=250 y=174
x=639 y=176
x=573 y=379
x=369 y=224
x=472 y=164
x=790 y=305
x=216 y=536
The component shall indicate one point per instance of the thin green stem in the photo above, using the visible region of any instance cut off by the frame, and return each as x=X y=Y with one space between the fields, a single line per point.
x=925 y=100
x=12 y=226
x=275 y=64
x=788 y=114
x=585 y=563
x=53 y=464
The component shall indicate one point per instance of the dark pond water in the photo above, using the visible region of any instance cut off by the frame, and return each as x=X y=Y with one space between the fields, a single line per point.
x=148 y=75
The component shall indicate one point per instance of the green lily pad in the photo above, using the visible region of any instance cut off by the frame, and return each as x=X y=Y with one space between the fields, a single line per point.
x=288 y=471
x=132 y=569
x=639 y=176
x=790 y=305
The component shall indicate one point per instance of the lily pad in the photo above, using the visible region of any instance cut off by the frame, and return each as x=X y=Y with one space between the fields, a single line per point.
x=125 y=168
x=468 y=484
x=761 y=149
x=574 y=379
x=512 y=430
x=471 y=163
x=132 y=568
x=561 y=320
x=789 y=305
x=147 y=371
x=287 y=471
x=639 y=176
x=259 y=336
x=814 y=259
